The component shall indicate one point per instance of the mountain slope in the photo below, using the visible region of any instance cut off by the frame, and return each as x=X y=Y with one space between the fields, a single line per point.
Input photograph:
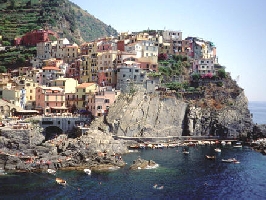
x=69 y=20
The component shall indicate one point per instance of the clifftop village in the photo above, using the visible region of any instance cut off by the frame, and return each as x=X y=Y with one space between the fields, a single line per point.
x=66 y=78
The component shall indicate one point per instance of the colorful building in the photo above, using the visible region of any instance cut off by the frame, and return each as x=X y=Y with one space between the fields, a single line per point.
x=50 y=99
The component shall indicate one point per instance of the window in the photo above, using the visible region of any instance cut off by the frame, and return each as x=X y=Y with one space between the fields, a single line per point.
x=58 y=122
x=47 y=104
x=106 y=101
x=136 y=70
x=99 y=107
x=47 y=122
x=124 y=75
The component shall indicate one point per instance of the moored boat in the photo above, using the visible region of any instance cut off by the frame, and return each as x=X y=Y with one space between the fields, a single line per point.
x=230 y=160
x=210 y=157
x=51 y=171
x=60 y=181
x=238 y=145
x=186 y=152
x=217 y=150
x=87 y=171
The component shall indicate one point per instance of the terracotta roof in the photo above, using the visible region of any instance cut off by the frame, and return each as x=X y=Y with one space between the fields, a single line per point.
x=84 y=85
x=50 y=68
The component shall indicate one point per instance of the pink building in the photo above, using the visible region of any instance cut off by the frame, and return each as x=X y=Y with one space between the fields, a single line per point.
x=50 y=100
x=100 y=101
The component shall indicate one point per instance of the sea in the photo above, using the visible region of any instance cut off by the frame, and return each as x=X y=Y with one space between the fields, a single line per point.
x=178 y=176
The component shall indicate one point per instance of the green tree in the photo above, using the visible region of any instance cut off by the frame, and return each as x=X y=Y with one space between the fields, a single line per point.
x=221 y=73
x=6 y=43
x=3 y=69
x=196 y=76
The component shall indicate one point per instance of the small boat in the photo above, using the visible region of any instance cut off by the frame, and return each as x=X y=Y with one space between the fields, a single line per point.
x=230 y=160
x=186 y=152
x=217 y=150
x=172 y=145
x=223 y=143
x=51 y=171
x=60 y=181
x=158 y=187
x=2 y=172
x=87 y=171
x=238 y=145
x=210 y=157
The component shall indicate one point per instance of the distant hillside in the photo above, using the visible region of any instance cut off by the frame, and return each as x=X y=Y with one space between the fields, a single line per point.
x=69 y=20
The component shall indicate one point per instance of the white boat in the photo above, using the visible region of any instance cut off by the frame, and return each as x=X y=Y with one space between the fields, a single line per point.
x=186 y=152
x=51 y=171
x=2 y=172
x=223 y=143
x=87 y=171
x=238 y=145
x=217 y=150
x=158 y=187
x=230 y=160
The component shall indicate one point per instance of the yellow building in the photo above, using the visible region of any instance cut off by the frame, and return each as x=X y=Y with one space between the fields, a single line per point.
x=30 y=88
x=11 y=95
x=70 y=53
x=89 y=62
x=68 y=84
x=86 y=73
x=5 y=78
x=81 y=91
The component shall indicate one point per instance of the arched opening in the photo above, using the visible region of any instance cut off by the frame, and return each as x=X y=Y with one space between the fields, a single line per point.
x=52 y=132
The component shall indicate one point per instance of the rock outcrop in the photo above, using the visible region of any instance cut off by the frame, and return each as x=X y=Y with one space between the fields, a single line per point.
x=143 y=164
x=27 y=150
x=231 y=120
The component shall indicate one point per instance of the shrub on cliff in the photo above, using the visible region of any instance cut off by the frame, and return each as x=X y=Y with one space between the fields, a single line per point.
x=221 y=73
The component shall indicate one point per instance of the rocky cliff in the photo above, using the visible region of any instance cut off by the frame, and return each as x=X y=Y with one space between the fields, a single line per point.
x=27 y=150
x=217 y=111
x=147 y=115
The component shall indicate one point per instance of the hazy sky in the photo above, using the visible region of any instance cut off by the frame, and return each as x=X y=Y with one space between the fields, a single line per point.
x=237 y=28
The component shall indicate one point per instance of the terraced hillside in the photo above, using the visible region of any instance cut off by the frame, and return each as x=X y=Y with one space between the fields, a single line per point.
x=69 y=20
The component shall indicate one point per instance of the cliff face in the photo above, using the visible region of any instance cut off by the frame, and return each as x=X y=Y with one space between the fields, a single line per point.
x=229 y=121
x=153 y=115
x=147 y=115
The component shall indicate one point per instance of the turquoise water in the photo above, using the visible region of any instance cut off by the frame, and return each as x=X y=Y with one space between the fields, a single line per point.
x=183 y=177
